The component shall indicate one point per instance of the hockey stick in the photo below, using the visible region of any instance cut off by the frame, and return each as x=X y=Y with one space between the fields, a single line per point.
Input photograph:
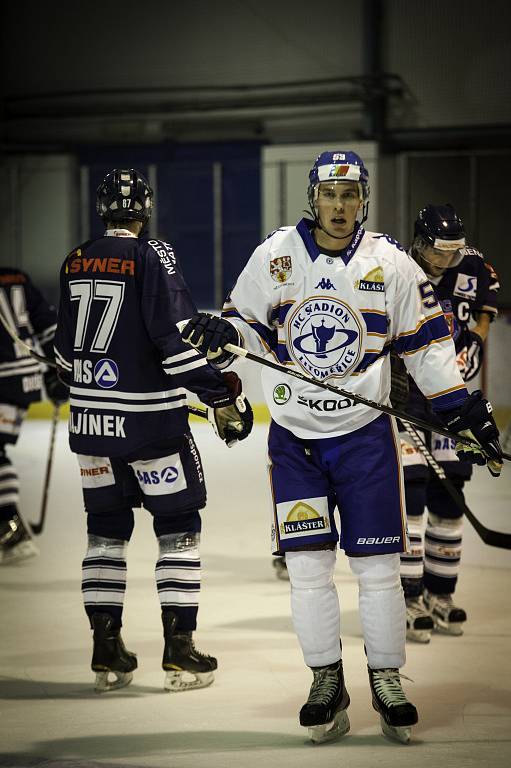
x=196 y=411
x=38 y=527
x=241 y=352
x=493 y=538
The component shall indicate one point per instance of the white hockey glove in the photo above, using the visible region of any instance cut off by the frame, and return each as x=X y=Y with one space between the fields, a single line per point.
x=474 y=420
x=209 y=334
x=232 y=421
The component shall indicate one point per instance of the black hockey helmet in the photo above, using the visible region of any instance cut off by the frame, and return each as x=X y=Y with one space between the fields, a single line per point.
x=124 y=195
x=440 y=227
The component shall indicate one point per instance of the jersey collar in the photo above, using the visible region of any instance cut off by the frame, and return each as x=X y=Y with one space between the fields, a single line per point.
x=304 y=229
x=119 y=233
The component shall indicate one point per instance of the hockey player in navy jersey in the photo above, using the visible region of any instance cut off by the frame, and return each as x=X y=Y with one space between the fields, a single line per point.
x=466 y=288
x=23 y=380
x=118 y=346
x=330 y=299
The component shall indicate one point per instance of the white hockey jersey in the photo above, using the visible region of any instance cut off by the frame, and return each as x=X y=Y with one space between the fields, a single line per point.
x=336 y=318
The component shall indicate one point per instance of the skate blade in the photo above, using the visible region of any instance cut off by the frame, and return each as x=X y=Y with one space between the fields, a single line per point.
x=338 y=728
x=177 y=681
x=103 y=684
x=454 y=628
x=396 y=733
x=419 y=635
x=23 y=551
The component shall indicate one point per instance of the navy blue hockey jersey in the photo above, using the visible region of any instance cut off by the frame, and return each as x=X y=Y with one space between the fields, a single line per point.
x=28 y=314
x=469 y=288
x=462 y=292
x=117 y=340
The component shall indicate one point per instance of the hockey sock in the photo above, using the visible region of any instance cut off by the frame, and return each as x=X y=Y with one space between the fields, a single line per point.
x=315 y=605
x=443 y=553
x=9 y=488
x=412 y=562
x=178 y=577
x=104 y=577
x=382 y=609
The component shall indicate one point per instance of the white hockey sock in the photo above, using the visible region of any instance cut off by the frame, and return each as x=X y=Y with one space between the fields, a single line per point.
x=104 y=574
x=382 y=609
x=178 y=574
x=315 y=605
x=412 y=562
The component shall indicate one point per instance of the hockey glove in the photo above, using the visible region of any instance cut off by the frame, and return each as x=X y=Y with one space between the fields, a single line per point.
x=473 y=357
x=56 y=389
x=209 y=334
x=231 y=415
x=474 y=420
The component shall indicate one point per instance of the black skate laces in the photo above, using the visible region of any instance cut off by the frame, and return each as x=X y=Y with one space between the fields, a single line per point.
x=387 y=685
x=324 y=686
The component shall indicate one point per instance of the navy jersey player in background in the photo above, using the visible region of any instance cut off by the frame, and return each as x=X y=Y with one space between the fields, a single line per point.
x=118 y=347
x=23 y=380
x=466 y=288
x=330 y=298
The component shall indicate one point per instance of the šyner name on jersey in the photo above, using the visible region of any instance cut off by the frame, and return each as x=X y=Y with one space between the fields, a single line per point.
x=335 y=318
x=118 y=343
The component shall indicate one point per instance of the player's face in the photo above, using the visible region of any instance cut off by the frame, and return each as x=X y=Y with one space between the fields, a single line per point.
x=337 y=207
x=436 y=260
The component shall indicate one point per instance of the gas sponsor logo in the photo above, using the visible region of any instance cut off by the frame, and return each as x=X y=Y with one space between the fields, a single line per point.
x=106 y=373
x=155 y=477
x=325 y=336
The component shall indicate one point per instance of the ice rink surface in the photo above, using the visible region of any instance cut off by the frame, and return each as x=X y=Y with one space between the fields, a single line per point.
x=51 y=717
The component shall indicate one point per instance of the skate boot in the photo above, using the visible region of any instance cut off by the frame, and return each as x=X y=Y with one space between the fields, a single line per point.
x=397 y=715
x=419 y=624
x=186 y=667
x=447 y=617
x=110 y=655
x=279 y=563
x=324 y=713
x=16 y=543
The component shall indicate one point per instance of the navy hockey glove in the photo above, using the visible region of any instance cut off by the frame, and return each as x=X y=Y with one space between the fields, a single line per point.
x=474 y=420
x=209 y=334
x=231 y=415
x=56 y=389
x=472 y=360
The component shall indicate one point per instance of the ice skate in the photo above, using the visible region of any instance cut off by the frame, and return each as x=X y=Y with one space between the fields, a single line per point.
x=447 y=617
x=324 y=713
x=279 y=563
x=110 y=655
x=397 y=714
x=16 y=543
x=419 y=624
x=186 y=668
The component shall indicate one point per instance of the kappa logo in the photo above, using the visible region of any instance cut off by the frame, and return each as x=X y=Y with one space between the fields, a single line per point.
x=325 y=284
x=373 y=281
x=325 y=336
x=106 y=373
x=466 y=286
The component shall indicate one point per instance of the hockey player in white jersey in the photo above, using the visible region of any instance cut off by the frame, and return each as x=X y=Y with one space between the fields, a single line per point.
x=330 y=299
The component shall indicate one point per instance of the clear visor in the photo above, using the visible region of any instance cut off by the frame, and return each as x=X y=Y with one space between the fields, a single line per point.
x=440 y=258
